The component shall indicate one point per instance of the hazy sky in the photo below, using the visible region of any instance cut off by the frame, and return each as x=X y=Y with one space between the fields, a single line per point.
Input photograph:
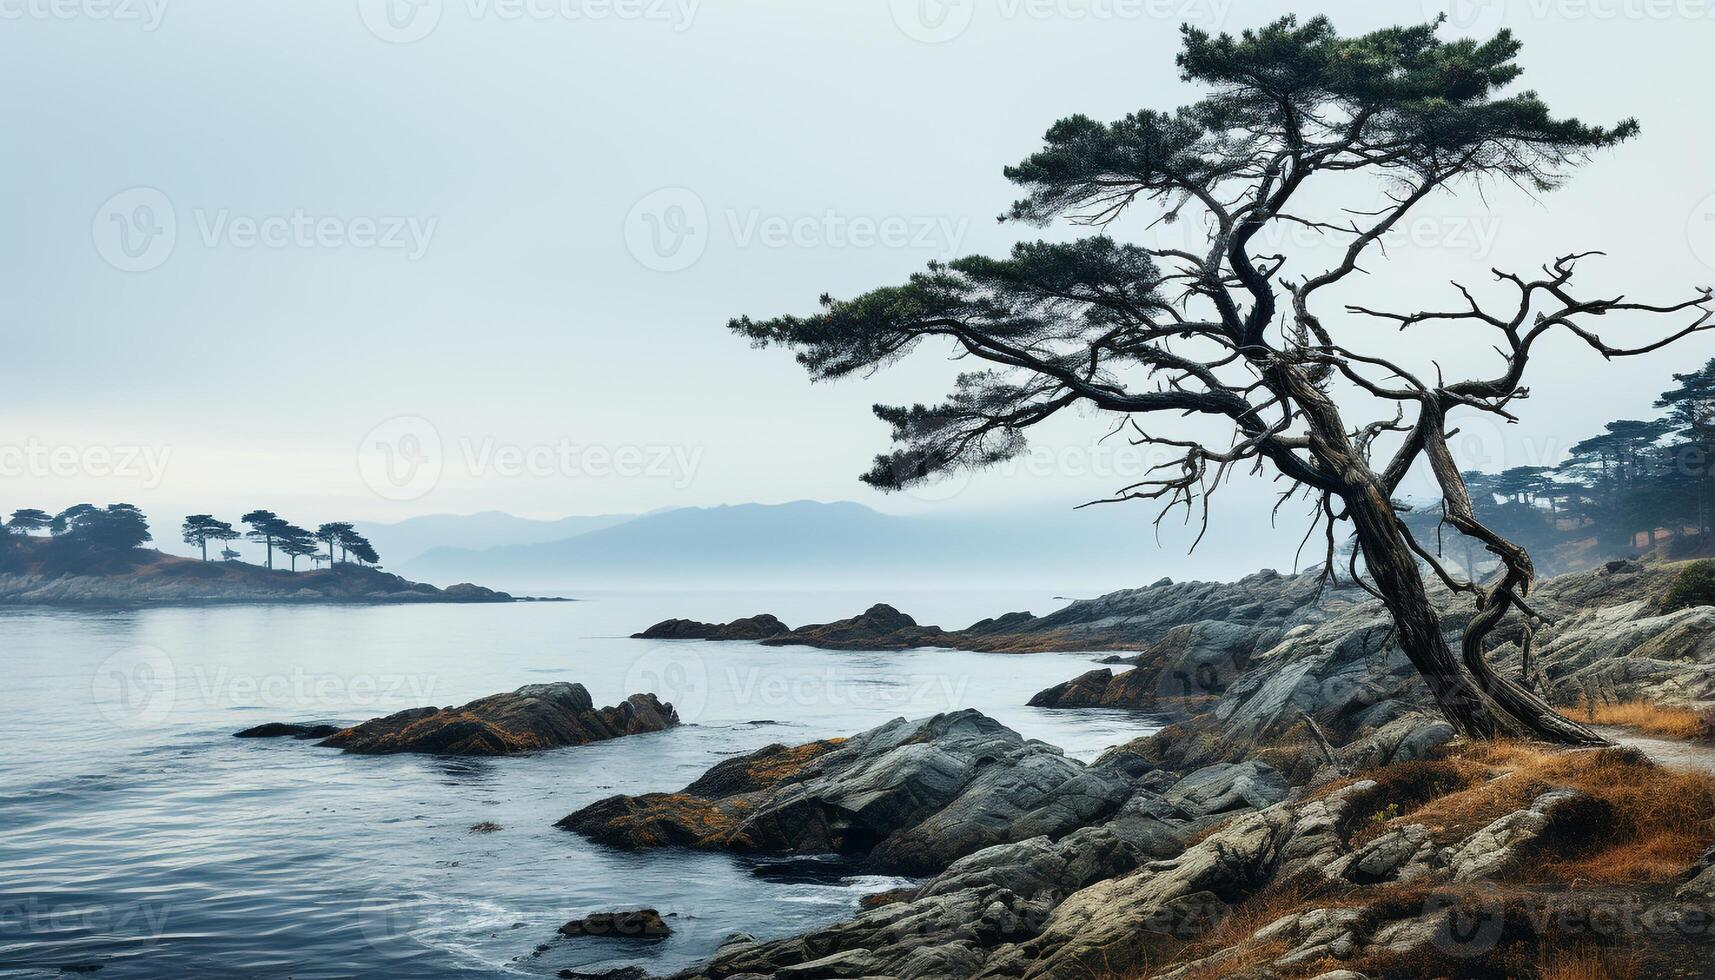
x=247 y=244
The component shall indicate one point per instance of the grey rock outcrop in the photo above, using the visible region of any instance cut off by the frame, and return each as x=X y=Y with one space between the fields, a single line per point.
x=759 y=627
x=536 y=716
x=912 y=796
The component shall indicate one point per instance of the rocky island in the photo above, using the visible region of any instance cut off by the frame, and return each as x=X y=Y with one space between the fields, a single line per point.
x=32 y=573
x=534 y=717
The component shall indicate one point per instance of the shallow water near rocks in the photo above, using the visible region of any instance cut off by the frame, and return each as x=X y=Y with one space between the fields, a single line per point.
x=138 y=836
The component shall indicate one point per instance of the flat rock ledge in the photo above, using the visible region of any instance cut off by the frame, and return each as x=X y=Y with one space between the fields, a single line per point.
x=534 y=717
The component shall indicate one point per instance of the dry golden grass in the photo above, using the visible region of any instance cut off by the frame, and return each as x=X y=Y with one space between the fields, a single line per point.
x=1651 y=719
x=1651 y=822
x=1645 y=826
x=1589 y=963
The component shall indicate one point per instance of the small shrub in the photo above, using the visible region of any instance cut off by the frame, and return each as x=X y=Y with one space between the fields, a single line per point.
x=1694 y=587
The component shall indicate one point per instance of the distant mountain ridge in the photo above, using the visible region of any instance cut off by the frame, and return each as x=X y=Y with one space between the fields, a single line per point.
x=806 y=544
x=407 y=540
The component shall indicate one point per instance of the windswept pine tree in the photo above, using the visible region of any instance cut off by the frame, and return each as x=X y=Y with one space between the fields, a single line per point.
x=199 y=529
x=297 y=542
x=117 y=527
x=29 y=520
x=333 y=535
x=265 y=529
x=1229 y=334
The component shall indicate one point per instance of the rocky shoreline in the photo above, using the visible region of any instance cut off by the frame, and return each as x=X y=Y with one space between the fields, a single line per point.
x=1265 y=605
x=1308 y=815
x=1034 y=866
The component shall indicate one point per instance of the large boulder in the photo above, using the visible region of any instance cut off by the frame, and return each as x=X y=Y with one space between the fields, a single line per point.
x=536 y=716
x=640 y=924
x=912 y=796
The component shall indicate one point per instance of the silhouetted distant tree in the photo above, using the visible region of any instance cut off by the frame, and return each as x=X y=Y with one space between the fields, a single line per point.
x=118 y=527
x=1215 y=330
x=364 y=552
x=265 y=528
x=199 y=529
x=297 y=542
x=28 y=520
x=1691 y=413
x=333 y=535
x=1610 y=477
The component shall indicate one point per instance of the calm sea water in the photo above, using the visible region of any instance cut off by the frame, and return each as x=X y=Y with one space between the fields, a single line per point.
x=138 y=836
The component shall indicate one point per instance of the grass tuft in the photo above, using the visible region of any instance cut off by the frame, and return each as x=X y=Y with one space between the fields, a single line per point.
x=1684 y=724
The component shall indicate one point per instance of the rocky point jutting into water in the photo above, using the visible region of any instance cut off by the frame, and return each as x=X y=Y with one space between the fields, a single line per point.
x=1309 y=814
x=536 y=716
x=1264 y=605
x=907 y=797
x=34 y=573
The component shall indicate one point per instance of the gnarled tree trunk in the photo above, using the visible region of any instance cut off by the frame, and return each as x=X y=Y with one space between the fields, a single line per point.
x=1476 y=701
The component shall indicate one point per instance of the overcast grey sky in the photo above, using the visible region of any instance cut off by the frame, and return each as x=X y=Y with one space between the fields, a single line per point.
x=242 y=241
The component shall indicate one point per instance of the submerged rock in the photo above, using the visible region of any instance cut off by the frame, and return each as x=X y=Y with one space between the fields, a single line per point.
x=641 y=924
x=536 y=716
x=276 y=729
